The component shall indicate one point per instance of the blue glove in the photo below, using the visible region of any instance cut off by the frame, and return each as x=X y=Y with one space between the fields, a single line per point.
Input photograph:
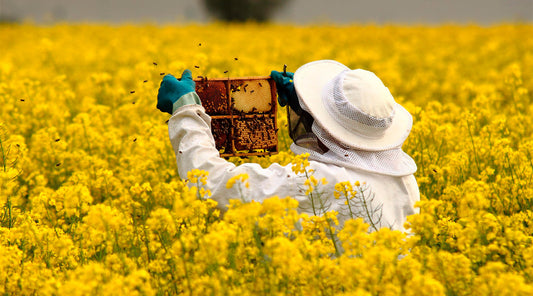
x=286 y=91
x=284 y=86
x=174 y=93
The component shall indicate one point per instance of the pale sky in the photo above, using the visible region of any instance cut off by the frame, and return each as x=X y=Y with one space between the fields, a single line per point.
x=297 y=11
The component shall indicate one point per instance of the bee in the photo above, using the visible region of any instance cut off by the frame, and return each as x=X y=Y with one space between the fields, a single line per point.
x=58 y=164
x=260 y=85
x=133 y=102
x=155 y=64
x=57 y=140
x=162 y=73
x=236 y=59
x=135 y=140
x=145 y=81
x=199 y=44
x=252 y=91
x=197 y=67
x=22 y=100
x=225 y=71
x=132 y=92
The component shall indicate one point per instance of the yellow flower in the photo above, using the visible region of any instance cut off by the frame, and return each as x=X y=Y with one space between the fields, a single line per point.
x=241 y=178
x=196 y=176
x=300 y=163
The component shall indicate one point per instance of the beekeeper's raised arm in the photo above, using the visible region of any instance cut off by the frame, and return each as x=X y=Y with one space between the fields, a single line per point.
x=352 y=129
x=194 y=146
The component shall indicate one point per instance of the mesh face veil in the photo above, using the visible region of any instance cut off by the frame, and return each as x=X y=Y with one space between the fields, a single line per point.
x=300 y=122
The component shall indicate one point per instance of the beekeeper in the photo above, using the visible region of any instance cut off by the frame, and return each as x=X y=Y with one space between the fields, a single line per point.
x=354 y=133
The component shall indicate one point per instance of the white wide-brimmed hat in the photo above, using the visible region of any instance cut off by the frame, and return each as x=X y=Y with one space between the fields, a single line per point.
x=352 y=106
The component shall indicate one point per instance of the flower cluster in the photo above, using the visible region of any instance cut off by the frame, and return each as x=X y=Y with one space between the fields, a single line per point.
x=91 y=202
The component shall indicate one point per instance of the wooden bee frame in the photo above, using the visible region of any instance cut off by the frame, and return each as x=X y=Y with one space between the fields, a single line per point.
x=243 y=114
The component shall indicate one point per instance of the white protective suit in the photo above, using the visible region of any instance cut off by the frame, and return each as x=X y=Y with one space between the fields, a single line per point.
x=392 y=196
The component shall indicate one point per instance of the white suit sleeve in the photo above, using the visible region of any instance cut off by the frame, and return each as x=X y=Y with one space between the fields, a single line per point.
x=194 y=146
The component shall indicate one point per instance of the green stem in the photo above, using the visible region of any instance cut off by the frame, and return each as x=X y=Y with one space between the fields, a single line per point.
x=332 y=237
x=311 y=196
x=9 y=213
x=3 y=155
x=473 y=147
x=369 y=215
x=348 y=202
x=184 y=250
x=170 y=261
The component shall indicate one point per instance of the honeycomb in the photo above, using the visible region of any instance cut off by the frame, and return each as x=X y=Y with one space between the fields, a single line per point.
x=243 y=114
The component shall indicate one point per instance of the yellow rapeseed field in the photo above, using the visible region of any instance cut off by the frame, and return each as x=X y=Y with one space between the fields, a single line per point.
x=91 y=203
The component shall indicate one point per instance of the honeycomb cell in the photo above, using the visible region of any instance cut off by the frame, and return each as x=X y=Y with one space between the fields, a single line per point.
x=214 y=96
x=251 y=96
x=254 y=133
x=222 y=131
